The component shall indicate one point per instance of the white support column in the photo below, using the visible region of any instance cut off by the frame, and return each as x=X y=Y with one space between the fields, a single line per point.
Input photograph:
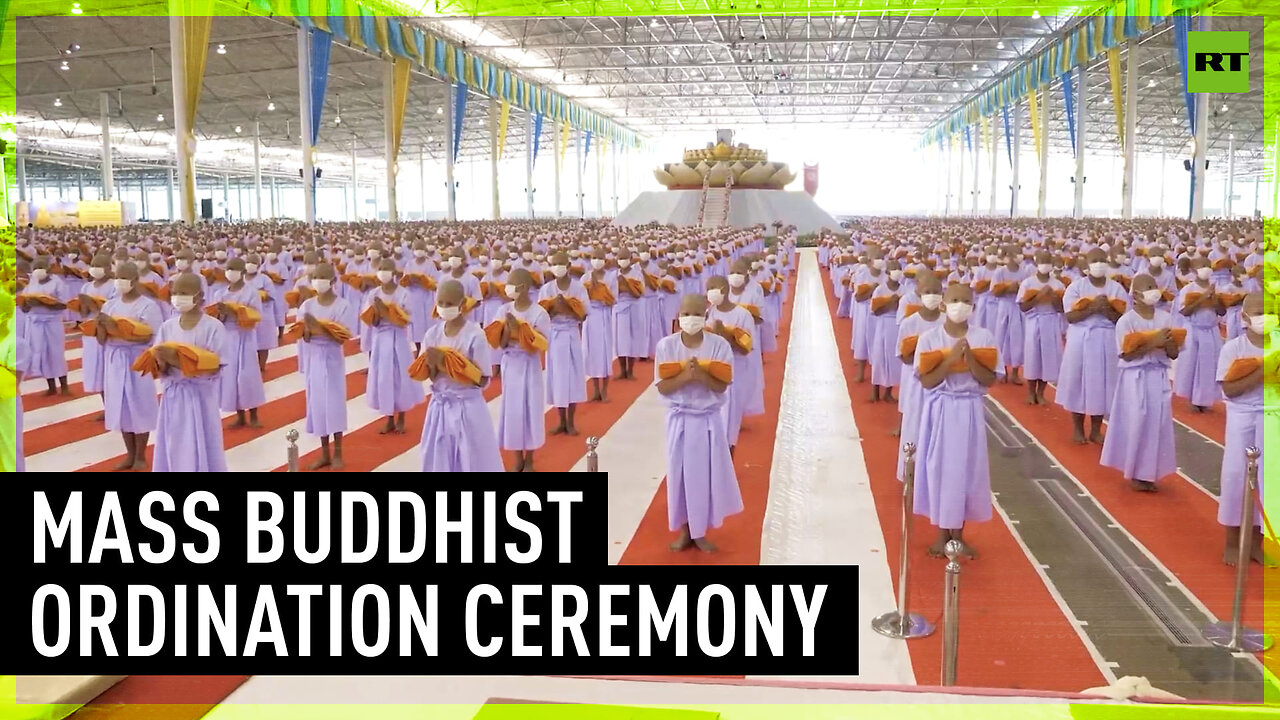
x=613 y=170
x=626 y=174
x=556 y=150
x=104 y=107
x=22 y=178
x=422 y=180
x=946 y=166
x=1229 y=192
x=1130 y=127
x=304 y=112
x=275 y=201
x=257 y=170
x=975 y=151
x=1257 y=195
x=80 y=188
x=993 y=150
x=1082 y=120
x=599 y=180
x=960 y=190
x=1016 y=160
x=1163 y=170
x=493 y=156
x=388 y=124
x=577 y=145
x=226 y=197
x=451 y=195
x=1201 y=145
x=171 y=206
x=528 y=165
x=355 y=184
x=1043 y=153
x=142 y=188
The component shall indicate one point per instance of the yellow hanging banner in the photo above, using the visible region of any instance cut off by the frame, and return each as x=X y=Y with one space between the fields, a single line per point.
x=1117 y=92
x=1035 y=125
x=564 y=140
x=503 y=117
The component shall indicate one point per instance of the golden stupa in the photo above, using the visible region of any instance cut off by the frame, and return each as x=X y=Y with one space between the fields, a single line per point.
x=716 y=163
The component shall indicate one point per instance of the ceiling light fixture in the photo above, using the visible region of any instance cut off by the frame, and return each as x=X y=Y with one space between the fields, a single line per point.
x=1151 y=83
x=840 y=20
x=439 y=110
x=75 y=9
x=654 y=23
x=222 y=49
x=271 y=106
x=1035 y=14
x=999 y=44
x=65 y=65
x=975 y=67
x=431 y=138
x=1225 y=108
x=237 y=129
x=159 y=117
x=337 y=119
x=57 y=102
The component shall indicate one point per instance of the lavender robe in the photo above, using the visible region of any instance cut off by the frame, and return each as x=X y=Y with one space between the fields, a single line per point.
x=1139 y=440
x=129 y=397
x=702 y=487
x=886 y=367
x=1088 y=374
x=597 y=333
x=389 y=389
x=752 y=295
x=326 y=373
x=90 y=350
x=630 y=318
x=566 y=361
x=741 y=390
x=13 y=358
x=1247 y=417
x=189 y=431
x=1005 y=317
x=521 y=422
x=910 y=391
x=1041 y=333
x=45 y=336
x=266 y=331
x=458 y=435
x=241 y=380
x=1195 y=377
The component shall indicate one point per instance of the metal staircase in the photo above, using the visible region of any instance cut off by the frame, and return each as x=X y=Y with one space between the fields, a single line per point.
x=714 y=211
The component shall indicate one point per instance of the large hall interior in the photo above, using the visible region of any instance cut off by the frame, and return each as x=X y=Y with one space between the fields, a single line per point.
x=996 y=294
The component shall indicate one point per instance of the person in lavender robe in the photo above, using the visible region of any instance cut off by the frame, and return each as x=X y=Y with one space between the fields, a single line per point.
x=912 y=323
x=129 y=398
x=669 y=283
x=597 y=331
x=566 y=361
x=389 y=390
x=325 y=378
x=748 y=294
x=729 y=320
x=1234 y=292
x=984 y=301
x=870 y=274
x=45 y=336
x=456 y=269
x=702 y=487
x=266 y=329
x=883 y=318
x=421 y=300
x=1041 y=306
x=953 y=475
x=1004 y=315
x=521 y=427
x=189 y=428
x=630 y=321
x=652 y=300
x=242 y=390
x=1250 y=402
x=1195 y=377
x=1089 y=370
x=458 y=435
x=13 y=361
x=1139 y=439
x=99 y=286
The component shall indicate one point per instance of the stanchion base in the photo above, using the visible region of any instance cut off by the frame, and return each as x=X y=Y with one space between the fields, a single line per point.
x=1251 y=641
x=890 y=625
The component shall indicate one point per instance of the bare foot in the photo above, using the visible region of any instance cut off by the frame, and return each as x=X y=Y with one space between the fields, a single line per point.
x=239 y=423
x=255 y=423
x=967 y=551
x=387 y=429
x=139 y=465
x=595 y=396
x=895 y=433
x=684 y=542
x=889 y=398
x=1015 y=381
x=50 y=392
x=559 y=430
x=337 y=464
x=1095 y=438
x=126 y=464
x=705 y=545
x=323 y=462
x=1078 y=438
x=101 y=418
x=572 y=430
x=935 y=550
x=1031 y=400
x=66 y=391
x=1229 y=556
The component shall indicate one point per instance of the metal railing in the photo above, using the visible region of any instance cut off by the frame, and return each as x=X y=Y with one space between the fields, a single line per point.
x=951 y=614
x=901 y=624
x=292 y=437
x=593 y=460
x=1233 y=635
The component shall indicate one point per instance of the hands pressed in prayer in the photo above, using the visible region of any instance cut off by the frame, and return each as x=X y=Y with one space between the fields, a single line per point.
x=166 y=357
x=86 y=304
x=434 y=358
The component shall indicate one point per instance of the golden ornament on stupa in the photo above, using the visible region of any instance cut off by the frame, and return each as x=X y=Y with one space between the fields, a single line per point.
x=715 y=164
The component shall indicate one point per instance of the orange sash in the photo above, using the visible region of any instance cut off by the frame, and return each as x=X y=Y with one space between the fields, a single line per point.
x=1231 y=299
x=600 y=292
x=1223 y=264
x=125 y=329
x=212 y=275
x=1135 y=340
x=1033 y=294
x=422 y=280
x=846 y=280
x=43 y=299
x=717 y=370
x=530 y=340
x=863 y=292
x=1242 y=368
x=637 y=286
x=360 y=282
x=929 y=361
x=911 y=310
x=246 y=317
x=192 y=361
x=275 y=277
x=981 y=286
x=667 y=285
x=334 y=330
x=1167 y=295
x=908 y=346
x=456 y=367
x=395 y=315
x=1116 y=304
x=468 y=304
x=298 y=295
x=575 y=306
x=755 y=311
x=156 y=268
x=1001 y=287
x=740 y=337
x=155 y=291
x=94 y=300
x=882 y=302
x=264 y=296
x=650 y=281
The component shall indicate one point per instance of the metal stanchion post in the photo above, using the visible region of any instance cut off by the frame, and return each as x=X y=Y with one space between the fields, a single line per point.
x=593 y=460
x=900 y=623
x=951 y=615
x=1233 y=635
x=292 y=437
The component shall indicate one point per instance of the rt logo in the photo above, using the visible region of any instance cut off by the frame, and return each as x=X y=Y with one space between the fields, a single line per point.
x=1219 y=62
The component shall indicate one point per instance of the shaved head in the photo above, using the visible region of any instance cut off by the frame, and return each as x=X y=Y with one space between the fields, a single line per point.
x=187 y=284
x=324 y=271
x=450 y=294
x=958 y=292
x=1143 y=282
x=928 y=284
x=693 y=306
x=718 y=282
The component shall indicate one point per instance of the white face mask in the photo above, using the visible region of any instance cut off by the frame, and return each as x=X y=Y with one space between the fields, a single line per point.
x=448 y=313
x=528 y=256
x=220 y=255
x=124 y=286
x=737 y=280
x=931 y=302
x=455 y=262
x=895 y=275
x=513 y=256
x=692 y=324
x=250 y=268
x=644 y=257
x=96 y=272
x=877 y=264
x=1204 y=273
x=559 y=270
x=182 y=303
x=308 y=269
x=233 y=276
x=322 y=285
x=715 y=297
x=1044 y=269
x=271 y=257
x=420 y=254
x=384 y=276
x=993 y=259
x=373 y=254
x=1098 y=269
x=597 y=263
x=39 y=275
x=1157 y=262
x=958 y=312
x=495 y=263
x=483 y=259
x=182 y=264
x=624 y=264
x=513 y=292
x=1264 y=324
x=1151 y=297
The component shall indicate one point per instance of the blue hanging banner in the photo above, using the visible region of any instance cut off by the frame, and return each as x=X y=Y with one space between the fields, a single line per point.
x=1181 y=26
x=459 y=112
x=1069 y=102
x=1008 y=139
x=321 y=44
x=586 y=150
x=537 y=136
x=968 y=142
